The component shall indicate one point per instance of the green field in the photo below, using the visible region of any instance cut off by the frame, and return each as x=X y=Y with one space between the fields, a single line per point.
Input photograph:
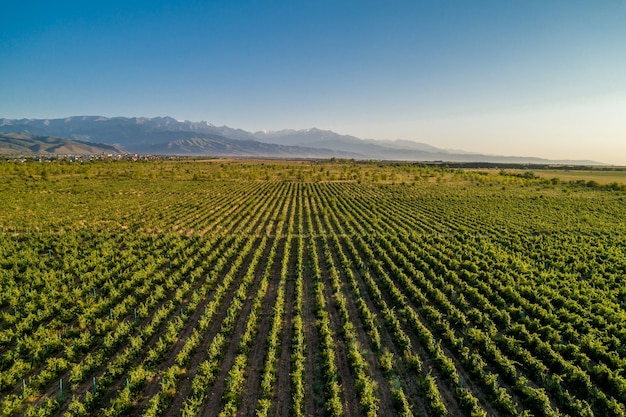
x=303 y=288
x=600 y=175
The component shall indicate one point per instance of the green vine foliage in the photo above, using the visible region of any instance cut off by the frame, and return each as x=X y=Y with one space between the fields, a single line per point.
x=317 y=287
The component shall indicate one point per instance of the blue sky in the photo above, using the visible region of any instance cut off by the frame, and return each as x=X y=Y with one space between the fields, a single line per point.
x=532 y=77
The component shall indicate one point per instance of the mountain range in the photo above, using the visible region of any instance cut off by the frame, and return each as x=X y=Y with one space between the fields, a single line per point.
x=28 y=144
x=168 y=136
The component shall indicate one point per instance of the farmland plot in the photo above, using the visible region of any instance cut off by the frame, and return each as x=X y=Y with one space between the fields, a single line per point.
x=249 y=289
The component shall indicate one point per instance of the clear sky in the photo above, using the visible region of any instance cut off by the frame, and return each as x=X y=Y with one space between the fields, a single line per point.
x=520 y=77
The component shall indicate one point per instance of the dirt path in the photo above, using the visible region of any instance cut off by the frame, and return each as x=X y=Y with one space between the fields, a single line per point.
x=314 y=384
x=383 y=391
x=256 y=359
x=282 y=389
x=406 y=377
x=212 y=403
x=345 y=378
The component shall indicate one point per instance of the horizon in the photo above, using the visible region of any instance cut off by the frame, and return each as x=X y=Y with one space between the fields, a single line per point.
x=522 y=79
x=447 y=150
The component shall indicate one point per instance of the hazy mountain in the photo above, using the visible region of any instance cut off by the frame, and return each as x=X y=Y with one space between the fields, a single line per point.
x=401 y=150
x=123 y=131
x=27 y=144
x=365 y=148
x=328 y=139
x=165 y=135
x=219 y=146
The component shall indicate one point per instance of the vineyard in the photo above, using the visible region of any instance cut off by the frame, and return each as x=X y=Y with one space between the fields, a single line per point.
x=274 y=288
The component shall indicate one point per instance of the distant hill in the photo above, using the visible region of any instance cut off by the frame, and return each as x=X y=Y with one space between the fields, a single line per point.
x=128 y=132
x=203 y=144
x=27 y=144
x=317 y=138
x=401 y=150
x=165 y=135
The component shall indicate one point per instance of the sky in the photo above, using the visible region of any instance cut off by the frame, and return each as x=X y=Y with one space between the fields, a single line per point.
x=525 y=78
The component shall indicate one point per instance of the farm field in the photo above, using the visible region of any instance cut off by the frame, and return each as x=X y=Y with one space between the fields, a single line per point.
x=599 y=176
x=301 y=288
x=604 y=176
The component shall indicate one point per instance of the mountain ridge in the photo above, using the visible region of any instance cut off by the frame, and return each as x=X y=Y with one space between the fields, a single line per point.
x=28 y=144
x=168 y=136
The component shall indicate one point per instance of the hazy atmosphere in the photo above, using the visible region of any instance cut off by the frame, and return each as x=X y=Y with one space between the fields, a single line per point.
x=512 y=78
